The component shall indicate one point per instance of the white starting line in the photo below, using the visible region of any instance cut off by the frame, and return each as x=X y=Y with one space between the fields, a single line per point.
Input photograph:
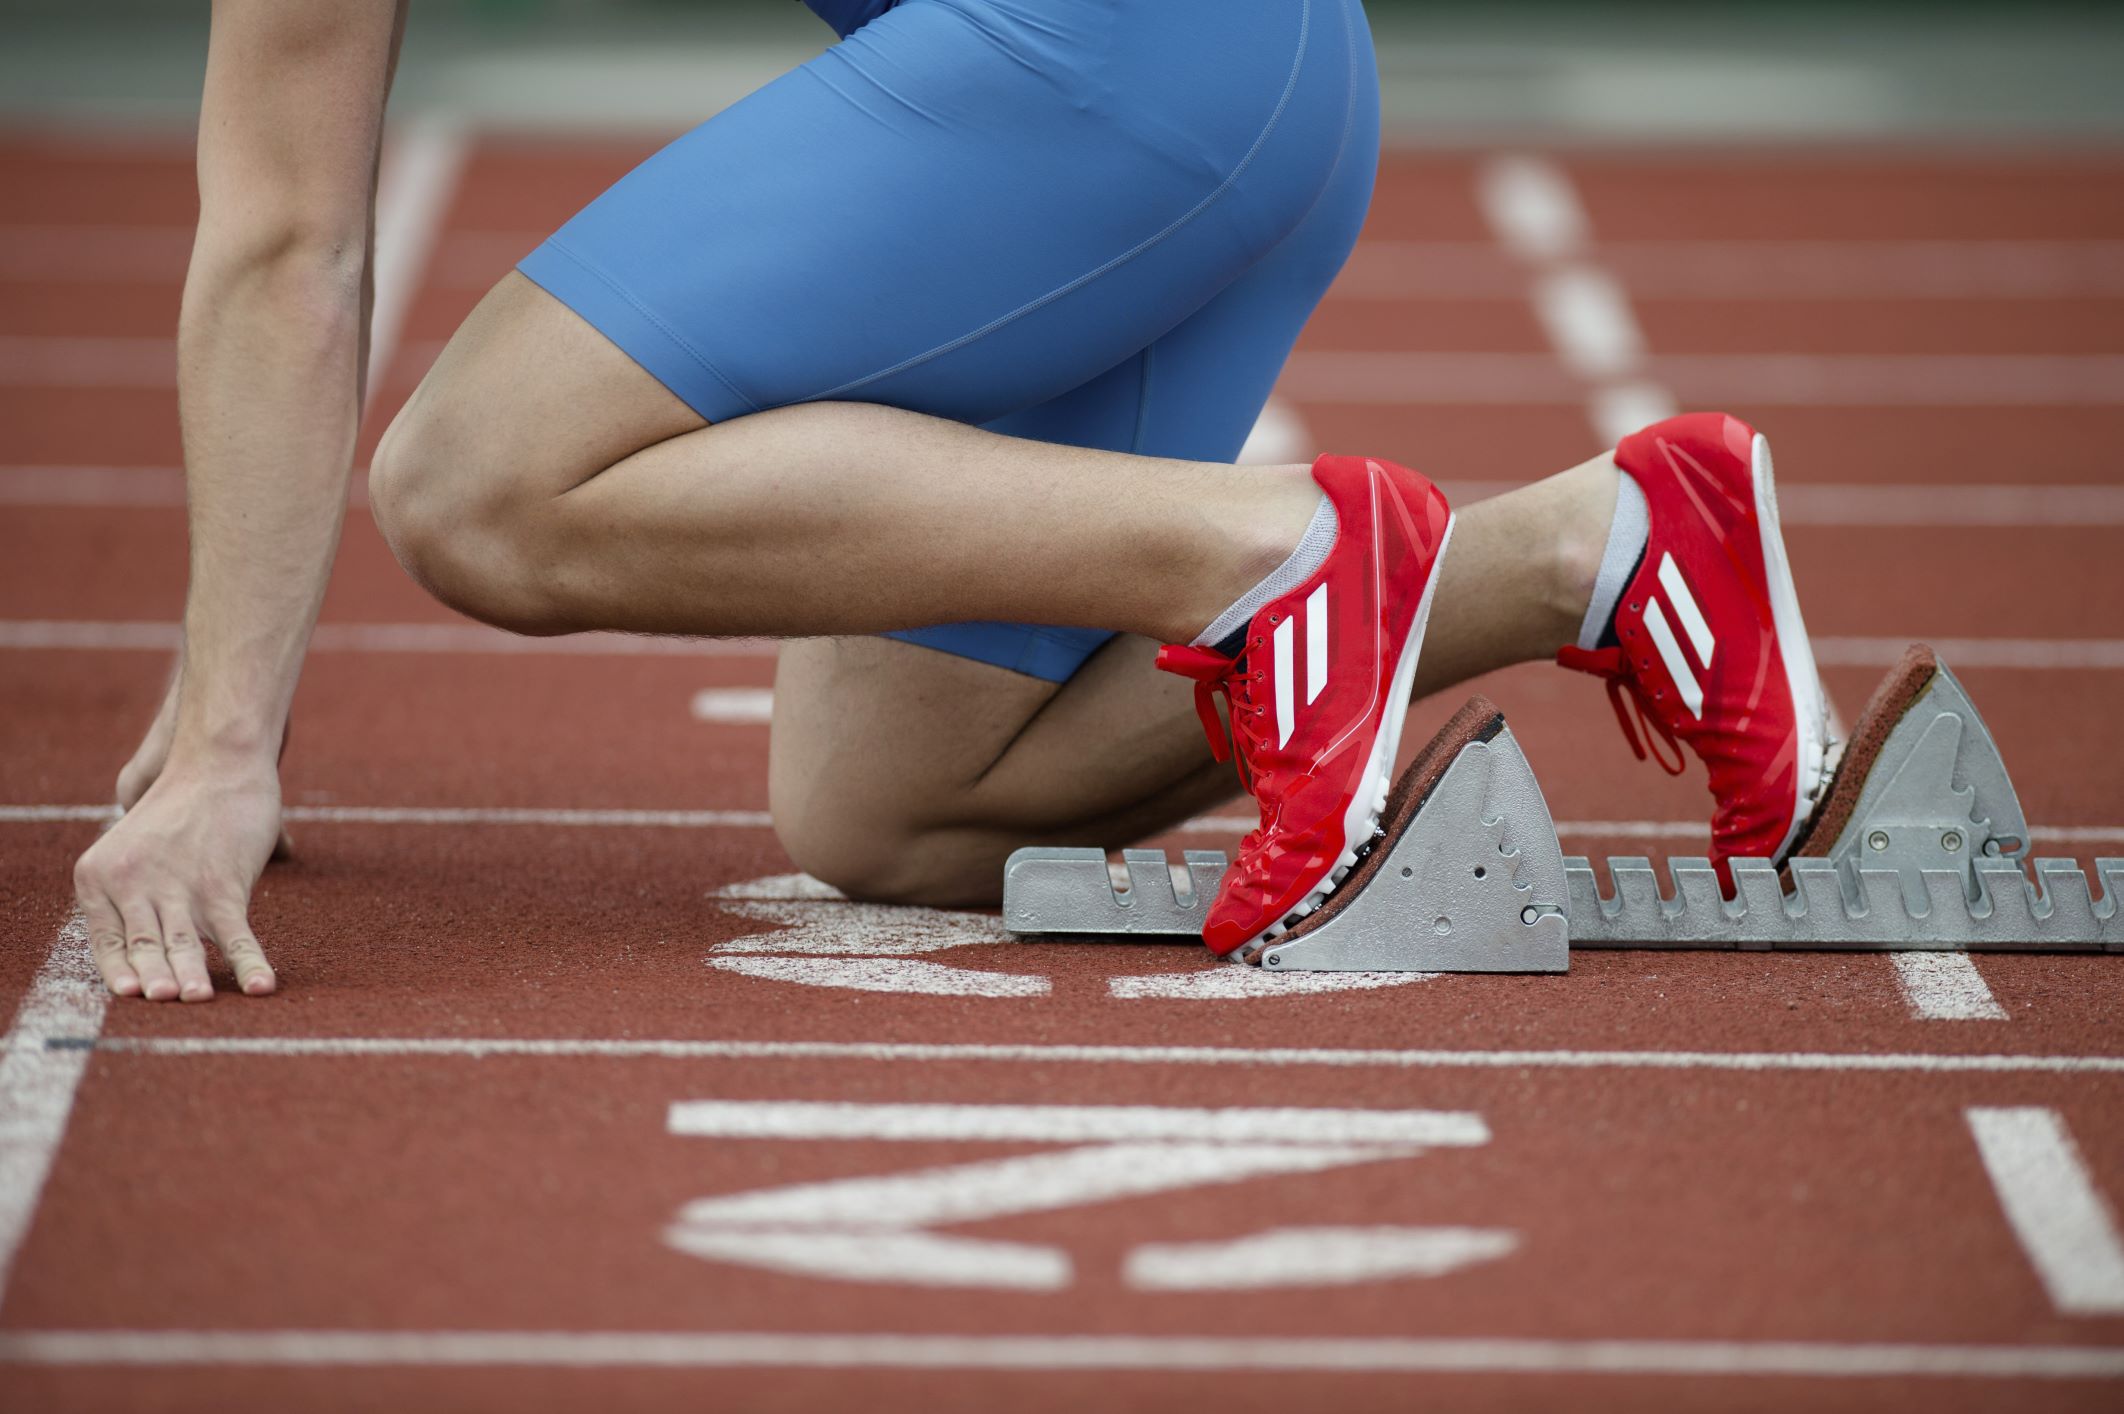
x=569 y=818
x=1197 y=1355
x=948 y=1053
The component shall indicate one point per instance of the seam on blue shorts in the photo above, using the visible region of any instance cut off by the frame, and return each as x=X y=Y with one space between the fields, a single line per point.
x=656 y=321
x=1290 y=85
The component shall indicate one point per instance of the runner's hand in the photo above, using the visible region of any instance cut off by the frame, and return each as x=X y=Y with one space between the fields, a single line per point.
x=175 y=873
x=138 y=774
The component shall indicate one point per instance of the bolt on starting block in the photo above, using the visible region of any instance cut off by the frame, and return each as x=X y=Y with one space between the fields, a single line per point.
x=1918 y=844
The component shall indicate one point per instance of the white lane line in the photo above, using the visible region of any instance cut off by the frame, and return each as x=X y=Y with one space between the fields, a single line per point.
x=156 y=636
x=1069 y=1124
x=479 y=1048
x=761 y=819
x=1537 y=216
x=1412 y=379
x=1429 y=379
x=69 y=361
x=38 y=1079
x=2099 y=654
x=1941 y=505
x=1697 y=830
x=95 y=253
x=444 y=815
x=1380 y=269
x=1949 y=505
x=415 y=184
x=2068 y=1232
x=91 y=486
x=1945 y=986
x=1750 y=271
x=1201 y=1355
x=97 y=635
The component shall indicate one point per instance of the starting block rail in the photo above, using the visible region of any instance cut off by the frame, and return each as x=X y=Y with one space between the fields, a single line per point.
x=1924 y=849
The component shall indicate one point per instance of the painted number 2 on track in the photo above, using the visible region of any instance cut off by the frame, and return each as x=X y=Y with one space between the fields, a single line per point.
x=885 y=1228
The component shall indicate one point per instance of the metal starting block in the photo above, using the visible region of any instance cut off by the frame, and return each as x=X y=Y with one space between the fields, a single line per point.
x=1922 y=847
x=1469 y=877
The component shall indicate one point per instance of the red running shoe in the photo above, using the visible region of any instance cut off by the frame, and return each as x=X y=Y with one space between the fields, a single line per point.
x=1317 y=694
x=1712 y=647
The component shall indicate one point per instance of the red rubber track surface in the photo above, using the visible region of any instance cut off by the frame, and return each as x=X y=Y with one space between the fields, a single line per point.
x=1723 y=1205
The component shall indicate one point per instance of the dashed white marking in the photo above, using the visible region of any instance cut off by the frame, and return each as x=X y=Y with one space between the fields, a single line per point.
x=2068 y=1232
x=66 y=999
x=1205 y=1356
x=1314 y=1256
x=415 y=183
x=1945 y=986
x=1279 y=438
x=1533 y=208
x=740 y=705
x=1618 y=409
x=1747 y=1062
x=1588 y=319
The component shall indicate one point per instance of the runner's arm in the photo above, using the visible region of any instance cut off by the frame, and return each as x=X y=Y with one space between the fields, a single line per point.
x=271 y=345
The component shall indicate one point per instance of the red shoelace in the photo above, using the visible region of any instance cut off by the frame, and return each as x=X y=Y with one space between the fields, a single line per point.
x=1610 y=664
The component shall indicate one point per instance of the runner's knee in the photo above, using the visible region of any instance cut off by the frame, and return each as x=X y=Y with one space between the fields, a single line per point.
x=452 y=517
x=893 y=860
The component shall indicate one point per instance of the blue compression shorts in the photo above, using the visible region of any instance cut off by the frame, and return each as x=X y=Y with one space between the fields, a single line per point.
x=1094 y=222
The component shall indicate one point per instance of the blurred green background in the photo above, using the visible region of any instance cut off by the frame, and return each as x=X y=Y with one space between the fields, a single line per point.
x=1462 y=73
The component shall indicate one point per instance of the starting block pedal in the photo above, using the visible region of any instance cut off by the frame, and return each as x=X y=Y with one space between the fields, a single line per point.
x=1919 y=844
x=1467 y=877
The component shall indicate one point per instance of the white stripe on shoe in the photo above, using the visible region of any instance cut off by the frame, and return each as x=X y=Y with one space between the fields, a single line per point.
x=1670 y=653
x=1286 y=713
x=1685 y=609
x=1316 y=643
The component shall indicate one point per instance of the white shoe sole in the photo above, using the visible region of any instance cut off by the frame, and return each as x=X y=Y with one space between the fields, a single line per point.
x=1810 y=705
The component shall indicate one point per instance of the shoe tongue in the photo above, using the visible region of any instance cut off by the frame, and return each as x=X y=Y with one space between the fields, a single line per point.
x=1609 y=638
x=1233 y=644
